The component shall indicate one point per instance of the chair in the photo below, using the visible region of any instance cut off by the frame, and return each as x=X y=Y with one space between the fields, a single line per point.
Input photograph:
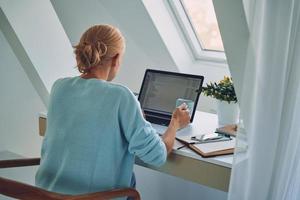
x=23 y=191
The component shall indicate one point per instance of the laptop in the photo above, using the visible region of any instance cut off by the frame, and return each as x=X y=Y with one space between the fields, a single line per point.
x=161 y=90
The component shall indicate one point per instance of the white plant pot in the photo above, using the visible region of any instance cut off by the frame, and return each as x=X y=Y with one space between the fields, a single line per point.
x=228 y=113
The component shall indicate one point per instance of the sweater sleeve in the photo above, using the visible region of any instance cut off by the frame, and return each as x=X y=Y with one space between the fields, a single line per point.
x=143 y=139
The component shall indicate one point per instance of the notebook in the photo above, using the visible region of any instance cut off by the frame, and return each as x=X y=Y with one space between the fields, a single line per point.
x=209 y=149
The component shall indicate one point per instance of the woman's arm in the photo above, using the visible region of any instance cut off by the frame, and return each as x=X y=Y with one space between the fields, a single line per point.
x=180 y=119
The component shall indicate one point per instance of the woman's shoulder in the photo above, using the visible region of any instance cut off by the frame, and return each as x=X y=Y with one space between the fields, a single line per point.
x=61 y=80
x=57 y=83
x=121 y=89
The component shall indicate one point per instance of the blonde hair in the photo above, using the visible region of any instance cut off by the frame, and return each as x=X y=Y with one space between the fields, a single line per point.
x=96 y=44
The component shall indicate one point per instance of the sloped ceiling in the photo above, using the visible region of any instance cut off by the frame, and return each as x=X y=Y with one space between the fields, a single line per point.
x=152 y=38
x=144 y=46
x=37 y=38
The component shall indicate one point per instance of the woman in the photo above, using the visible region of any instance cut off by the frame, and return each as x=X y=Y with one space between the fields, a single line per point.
x=95 y=128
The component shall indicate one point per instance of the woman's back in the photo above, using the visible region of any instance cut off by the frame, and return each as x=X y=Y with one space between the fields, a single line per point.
x=94 y=129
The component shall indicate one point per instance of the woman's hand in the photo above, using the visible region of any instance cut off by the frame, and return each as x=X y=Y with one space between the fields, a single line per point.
x=180 y=117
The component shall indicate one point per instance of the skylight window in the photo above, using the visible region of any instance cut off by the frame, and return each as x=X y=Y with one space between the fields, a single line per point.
x=204 y=22
x=198 y=22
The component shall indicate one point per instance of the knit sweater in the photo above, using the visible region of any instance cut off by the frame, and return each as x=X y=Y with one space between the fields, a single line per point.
x=94 y=131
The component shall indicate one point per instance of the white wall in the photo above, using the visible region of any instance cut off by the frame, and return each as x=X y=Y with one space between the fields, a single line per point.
x=39 y=42
x=35 y=51
x=19 y=106
x=43 y=38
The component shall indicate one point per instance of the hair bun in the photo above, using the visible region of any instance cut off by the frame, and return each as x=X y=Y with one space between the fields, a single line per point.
x=97 y=43
x=90 y=54
x=101 y=48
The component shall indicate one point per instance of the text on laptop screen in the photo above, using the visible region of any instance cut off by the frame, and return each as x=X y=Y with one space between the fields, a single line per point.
x=162 y=90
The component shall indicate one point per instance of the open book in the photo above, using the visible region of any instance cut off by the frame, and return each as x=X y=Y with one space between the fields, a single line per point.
x=208 y=149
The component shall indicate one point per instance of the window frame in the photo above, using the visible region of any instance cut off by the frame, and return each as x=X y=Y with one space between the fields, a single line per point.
x=191 y=37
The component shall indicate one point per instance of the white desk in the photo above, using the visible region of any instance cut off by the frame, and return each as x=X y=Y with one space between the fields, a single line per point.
x=213 y=172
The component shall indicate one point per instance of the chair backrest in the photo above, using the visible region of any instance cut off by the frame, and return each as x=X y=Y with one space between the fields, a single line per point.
x=24 y=191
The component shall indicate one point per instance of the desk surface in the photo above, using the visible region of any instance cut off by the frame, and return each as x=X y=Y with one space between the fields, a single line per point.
x=188 y=165
x=203 y=123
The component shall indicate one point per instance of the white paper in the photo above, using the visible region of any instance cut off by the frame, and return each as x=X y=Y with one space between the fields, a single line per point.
x=216 y=146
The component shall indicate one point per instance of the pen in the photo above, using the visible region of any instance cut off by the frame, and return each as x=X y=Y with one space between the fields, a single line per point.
x=220 y=137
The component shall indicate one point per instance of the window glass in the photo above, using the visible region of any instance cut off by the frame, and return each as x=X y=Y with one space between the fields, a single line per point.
x=203 y=19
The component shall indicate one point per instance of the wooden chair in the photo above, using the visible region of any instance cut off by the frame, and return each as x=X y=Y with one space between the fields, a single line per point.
x=23 y=191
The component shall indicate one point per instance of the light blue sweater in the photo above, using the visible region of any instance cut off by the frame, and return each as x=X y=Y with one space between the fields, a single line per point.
x=94 y=131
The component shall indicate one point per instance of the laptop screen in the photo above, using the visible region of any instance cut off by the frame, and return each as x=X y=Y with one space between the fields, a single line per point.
x=161 y=90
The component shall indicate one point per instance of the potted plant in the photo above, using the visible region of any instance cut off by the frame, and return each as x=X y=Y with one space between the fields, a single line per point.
x=227 y=107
